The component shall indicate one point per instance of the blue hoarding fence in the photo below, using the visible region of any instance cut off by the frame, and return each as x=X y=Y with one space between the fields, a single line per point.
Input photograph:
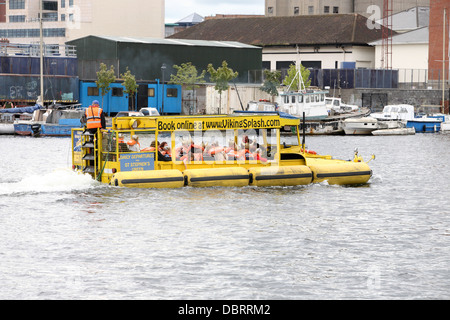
x=355 y=78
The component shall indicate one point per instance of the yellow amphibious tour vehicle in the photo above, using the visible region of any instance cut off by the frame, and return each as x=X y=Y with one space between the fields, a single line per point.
x=203 y=151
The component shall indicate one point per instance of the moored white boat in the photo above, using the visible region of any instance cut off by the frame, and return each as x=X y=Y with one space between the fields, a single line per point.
x=360 y=126
x=9 y=116
x=50 y=122
x=394 y=132
x=7 y=124
x=445 y=126
x=309 y=102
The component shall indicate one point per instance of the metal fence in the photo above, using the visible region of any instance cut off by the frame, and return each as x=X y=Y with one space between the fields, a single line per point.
x=367 y=78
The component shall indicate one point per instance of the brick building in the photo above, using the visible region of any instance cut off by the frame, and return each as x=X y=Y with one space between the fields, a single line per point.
x=438 y=48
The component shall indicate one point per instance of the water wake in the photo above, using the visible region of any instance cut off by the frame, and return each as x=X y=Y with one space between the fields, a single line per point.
x=60 y=180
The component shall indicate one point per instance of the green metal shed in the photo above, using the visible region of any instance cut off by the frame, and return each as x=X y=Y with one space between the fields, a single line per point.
x=145 y=56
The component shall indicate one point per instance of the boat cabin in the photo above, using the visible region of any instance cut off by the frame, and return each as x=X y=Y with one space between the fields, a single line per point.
x=310 y=102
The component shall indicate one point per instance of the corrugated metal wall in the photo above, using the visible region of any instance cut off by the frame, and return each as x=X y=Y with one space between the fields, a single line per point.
x=144 y=60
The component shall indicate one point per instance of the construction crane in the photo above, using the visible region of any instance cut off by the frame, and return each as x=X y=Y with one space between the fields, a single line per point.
x=386 y=60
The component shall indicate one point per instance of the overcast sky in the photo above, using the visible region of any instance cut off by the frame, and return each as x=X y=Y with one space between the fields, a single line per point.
x=179 y=9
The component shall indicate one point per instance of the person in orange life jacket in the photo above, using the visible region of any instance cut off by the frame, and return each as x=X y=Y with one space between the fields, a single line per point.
x=164 y=149
x=133 y=144
x=257 y=153
x=164 y=153
x=244 y=153
x=151 y=148
x=94 y=117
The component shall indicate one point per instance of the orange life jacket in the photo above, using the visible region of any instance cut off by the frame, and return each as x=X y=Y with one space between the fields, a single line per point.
x=133 y=142
x=93 y=117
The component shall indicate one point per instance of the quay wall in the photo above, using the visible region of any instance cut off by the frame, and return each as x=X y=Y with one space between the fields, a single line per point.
x=429 y=101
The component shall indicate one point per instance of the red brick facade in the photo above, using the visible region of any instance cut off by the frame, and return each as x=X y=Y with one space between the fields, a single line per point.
x=2 y=11
x=435 y=53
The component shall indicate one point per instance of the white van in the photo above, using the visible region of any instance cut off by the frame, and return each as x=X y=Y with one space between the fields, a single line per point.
x=150 y=112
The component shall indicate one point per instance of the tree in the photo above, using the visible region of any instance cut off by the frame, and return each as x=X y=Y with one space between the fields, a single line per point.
x=104 y=79
x=221 y=77
x=292 y=79
x=271 y=82
x=131 y=87
x=187 y=75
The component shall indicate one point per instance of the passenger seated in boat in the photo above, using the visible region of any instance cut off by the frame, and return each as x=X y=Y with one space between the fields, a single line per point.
x=244 y=153
x=133 y=144
x=232 y=150
x=123 y=147
x=216 y=152
x=189 y=152
x=164 y=153
x=151 y=148
x=257 y=155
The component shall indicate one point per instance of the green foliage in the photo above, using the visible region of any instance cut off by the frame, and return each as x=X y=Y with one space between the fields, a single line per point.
x=129 y=82
x=104 y=78
x=271 y=82
x=292 y=74
x=222 y=76
x=187 y=75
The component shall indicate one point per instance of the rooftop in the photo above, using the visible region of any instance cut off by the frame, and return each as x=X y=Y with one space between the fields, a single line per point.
x=336 y=29
x=179 y=42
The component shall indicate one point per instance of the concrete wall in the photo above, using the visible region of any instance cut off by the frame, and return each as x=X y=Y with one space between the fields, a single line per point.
x=419 y=98
x=208 y=99
x=327 y=55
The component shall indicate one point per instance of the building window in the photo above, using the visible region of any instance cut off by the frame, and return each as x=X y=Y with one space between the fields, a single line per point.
x=63 y=17
x=335 y=9
x=296 y=11
x=16 y=4
x=326 y=9
x=63 y=3
x=50 y=5
x=117 y=92
x=50 y=16
x=172 y=93
x=310 y=9
x=270 y=10
x=70 y=3
x=151 y=92
x=16 y=18
x=93 y=92
x=32 y=33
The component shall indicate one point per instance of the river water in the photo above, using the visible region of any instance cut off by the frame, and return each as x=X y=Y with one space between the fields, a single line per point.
x=64 y=236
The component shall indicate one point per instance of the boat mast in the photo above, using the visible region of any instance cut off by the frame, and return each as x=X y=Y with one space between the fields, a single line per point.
x=443 y=62
x=41 y=42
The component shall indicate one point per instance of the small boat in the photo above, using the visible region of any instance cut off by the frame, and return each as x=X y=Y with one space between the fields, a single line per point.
x=54 y=122
x=426 y=123
x=406 y=115
x=9 y=116
x=7 y=123
x=308 y=102
x=332 y=111
x=360 y=126
x=445 y=126
x=208 y=151
x=394 y=132
x=398 y=112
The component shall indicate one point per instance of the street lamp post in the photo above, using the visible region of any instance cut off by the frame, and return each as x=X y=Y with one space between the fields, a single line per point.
x=163 y=69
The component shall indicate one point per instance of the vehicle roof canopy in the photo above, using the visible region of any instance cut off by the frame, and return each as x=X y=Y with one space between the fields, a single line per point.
x=241 y=120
